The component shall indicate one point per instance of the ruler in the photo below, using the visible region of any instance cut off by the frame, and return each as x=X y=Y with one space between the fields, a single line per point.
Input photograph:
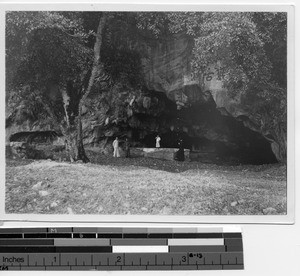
x=78 y=248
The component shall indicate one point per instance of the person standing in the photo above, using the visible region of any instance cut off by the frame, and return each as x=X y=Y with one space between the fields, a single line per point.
x=180 y=152
x=157 y=141
x=116 y=148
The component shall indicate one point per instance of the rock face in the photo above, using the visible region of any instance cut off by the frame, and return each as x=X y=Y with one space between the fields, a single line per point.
x=168 y=71
x=18 y=149
x=175 y=105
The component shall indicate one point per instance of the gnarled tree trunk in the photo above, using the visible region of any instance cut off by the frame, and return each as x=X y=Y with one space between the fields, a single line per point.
x=73 y=134
x=76 y=143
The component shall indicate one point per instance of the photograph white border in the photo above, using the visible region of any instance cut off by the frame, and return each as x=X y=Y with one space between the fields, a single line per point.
x=276 y=219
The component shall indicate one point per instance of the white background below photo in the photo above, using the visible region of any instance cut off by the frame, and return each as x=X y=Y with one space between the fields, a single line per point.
x=268 y=249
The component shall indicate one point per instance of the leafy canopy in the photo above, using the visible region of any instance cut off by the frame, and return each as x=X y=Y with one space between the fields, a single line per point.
x=45 y=47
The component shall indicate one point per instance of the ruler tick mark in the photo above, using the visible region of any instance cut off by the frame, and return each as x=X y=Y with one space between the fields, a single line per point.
x=169 y=261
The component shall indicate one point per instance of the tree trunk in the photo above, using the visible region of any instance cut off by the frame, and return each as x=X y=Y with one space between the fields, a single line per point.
x=79 y=150
x=81 y=155
x=71 y=148
x=72 y=132
x=73 y=142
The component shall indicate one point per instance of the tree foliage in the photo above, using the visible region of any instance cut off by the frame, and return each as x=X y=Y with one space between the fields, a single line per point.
x=45 y=46
x=251 y=48
x=48 y=52
x=45 y=50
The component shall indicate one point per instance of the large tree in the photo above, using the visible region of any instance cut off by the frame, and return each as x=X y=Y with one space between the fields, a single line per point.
x=52 y=68
x=55 y=59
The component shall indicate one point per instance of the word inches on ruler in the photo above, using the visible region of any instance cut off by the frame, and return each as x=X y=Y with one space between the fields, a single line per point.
x=120 y=249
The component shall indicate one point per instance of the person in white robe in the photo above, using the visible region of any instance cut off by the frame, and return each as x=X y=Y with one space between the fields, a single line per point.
x=157 y=141
x=116 y=148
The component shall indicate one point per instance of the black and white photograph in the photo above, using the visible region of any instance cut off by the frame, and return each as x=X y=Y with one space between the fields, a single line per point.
x=161 y=113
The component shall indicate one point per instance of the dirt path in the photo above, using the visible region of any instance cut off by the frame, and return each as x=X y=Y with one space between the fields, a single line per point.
x=143 y=186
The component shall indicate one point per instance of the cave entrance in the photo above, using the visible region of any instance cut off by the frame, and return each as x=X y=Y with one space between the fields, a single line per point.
x=253 y=148
x=47 y=136
x=211 y=136
x=169 y=139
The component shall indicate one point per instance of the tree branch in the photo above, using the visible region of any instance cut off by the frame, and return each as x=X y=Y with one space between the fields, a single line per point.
x=96 y=63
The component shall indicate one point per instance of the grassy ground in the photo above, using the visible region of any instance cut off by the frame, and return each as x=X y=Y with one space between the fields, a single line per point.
x=143 y=186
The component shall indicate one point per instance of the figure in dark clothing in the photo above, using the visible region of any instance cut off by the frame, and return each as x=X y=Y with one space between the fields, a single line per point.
x=179 y=156
x=127 y=148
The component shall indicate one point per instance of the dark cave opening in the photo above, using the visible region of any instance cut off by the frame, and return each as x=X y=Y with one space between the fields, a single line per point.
x=209 y=135
x=46 y=136
x=254 y=150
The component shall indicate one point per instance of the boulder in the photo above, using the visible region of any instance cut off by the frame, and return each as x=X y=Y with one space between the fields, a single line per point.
x=18 y=148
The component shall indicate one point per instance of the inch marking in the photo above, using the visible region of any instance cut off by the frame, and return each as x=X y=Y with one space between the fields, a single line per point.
x=165 y=253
